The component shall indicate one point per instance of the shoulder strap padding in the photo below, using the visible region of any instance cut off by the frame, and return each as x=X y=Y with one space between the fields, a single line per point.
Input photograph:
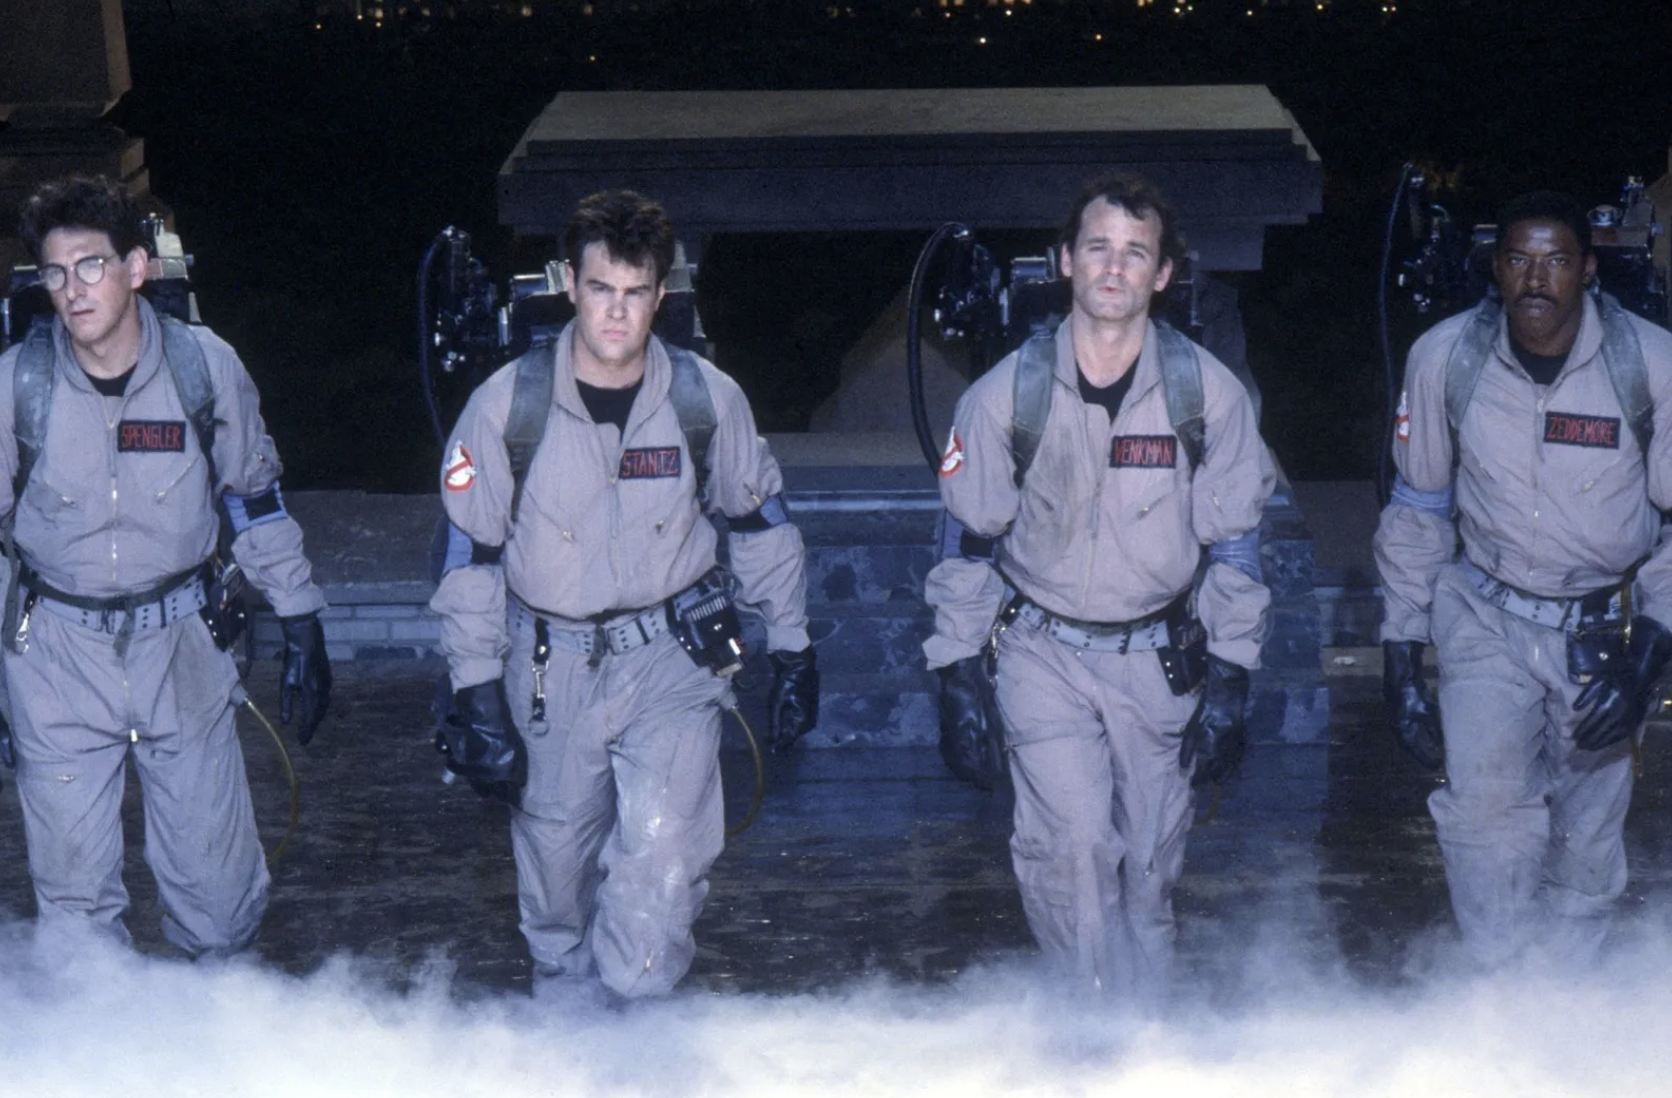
x=190 y=370
x=1623 y=354
x=1036 y=364
x=525 y=424
x=32 y=400
x=1468 y=356
x=694 y=405
x=1181 y=383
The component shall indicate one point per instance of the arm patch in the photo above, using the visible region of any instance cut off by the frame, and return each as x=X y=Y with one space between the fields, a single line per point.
x=247 y=511
x=769 y=514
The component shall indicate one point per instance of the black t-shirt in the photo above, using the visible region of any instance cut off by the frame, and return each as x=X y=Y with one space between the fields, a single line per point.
x=1110 y=396
x=1541 y=368
x=609 y=405
x=111 y=386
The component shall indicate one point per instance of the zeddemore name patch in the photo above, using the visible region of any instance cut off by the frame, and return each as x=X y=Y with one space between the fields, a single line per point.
x=650 y=462
x=1143 y=452
x=151 y=436
x=1599 y=432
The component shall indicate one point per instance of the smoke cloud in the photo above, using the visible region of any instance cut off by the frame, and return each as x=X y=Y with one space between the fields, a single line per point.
x=80 y=1017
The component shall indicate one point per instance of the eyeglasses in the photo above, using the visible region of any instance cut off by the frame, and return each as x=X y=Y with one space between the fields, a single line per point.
x=89 y=270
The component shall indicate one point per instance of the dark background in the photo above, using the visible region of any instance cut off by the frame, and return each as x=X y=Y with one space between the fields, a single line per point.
x=309 y=158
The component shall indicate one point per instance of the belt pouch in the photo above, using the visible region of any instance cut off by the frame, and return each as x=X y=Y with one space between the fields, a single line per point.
x=1597 y=642
x=1184 y=658
x=226 y=604
x=706 y=623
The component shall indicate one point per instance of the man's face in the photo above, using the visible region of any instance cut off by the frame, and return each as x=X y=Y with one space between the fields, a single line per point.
x=1542 y=277
x=93 y=313
x=615 y=303
x=1116 y=263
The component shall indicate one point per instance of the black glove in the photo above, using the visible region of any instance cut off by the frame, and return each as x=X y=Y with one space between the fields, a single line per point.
x=306 y=674
x=1218 y=731
x=792 y=706
x=971 y=733
x=481 y=743
x=1412 y=715
x=1618 y=698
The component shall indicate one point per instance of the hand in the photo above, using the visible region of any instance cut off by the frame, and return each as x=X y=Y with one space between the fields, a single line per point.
x=1218 y=731
x=306 y=674
x=971 y=733
x=792 y=706
x=1412 y=714
x=1618 y=699
x=481 y=742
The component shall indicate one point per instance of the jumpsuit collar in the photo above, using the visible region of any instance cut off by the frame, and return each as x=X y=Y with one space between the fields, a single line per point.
x=1146 y=371
x=150 y=352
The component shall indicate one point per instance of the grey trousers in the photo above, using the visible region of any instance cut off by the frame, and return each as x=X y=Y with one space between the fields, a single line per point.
x=1531 y=828
x=1102 y=807
x=78 y=713
x=622 y=815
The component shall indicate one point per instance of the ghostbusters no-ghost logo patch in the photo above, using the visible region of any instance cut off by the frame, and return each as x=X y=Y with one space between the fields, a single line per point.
x=953 y=459
x=460 y=470
x=1402 y=420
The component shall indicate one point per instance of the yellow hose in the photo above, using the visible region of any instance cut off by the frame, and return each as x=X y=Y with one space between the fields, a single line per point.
x=760 y=776
x=290 y=776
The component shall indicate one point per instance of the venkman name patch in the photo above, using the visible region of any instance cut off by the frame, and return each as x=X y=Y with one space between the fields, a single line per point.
x=151 y=436
x=1599 y=432
x=1143 y=452
x=650 y=462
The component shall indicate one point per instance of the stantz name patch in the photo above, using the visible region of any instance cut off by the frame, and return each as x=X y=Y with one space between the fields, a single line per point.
x=151 y=436
x=650 y=463
x=1596 y=432
x=1143 y=452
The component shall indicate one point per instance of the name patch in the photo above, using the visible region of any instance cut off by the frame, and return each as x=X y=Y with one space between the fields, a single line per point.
x=1599 y=432
x=650 y=463
x=1143 y=452
x=151 y=436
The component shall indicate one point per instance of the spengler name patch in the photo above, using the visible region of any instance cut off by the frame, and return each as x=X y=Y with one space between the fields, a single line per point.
x=151 y=436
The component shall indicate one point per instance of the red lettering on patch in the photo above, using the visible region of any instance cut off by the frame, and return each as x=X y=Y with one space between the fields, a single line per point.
x=150 y=436
x=1597 y=432
x=1143 y=452
x=650 y=463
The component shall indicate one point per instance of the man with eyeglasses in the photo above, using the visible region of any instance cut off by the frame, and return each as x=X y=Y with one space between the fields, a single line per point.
x=115 y=512
x=1536 y=431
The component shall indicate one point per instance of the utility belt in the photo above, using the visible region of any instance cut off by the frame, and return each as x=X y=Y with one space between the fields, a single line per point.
x=1597 y=623
x=701 y=616
x=1172 y=632
x=151 y=608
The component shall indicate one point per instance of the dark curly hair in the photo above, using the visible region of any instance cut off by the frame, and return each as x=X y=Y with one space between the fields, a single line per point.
x=1545 y=206
x=633 y=228
x=93 y=202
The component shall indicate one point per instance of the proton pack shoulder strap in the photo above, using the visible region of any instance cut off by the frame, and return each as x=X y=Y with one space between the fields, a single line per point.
x=1031 y=404
x=190 y=370
x=531 y=398
x=1623 y=354
x=531 y=401
x=1181 y=382
x=694 y=405
x=1468 y=356
x=31 y=401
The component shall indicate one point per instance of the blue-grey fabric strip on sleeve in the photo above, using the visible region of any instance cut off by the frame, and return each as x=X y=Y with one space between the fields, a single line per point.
x=1437 y=503
x=1241 y=553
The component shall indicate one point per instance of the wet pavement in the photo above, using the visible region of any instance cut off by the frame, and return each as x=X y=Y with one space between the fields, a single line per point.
x=860 y=861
